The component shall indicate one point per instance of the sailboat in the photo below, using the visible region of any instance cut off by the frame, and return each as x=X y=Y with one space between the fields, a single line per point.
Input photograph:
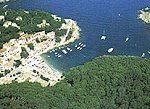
x=103 y=37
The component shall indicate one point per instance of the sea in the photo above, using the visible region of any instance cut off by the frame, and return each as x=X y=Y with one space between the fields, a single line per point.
x=116 y=20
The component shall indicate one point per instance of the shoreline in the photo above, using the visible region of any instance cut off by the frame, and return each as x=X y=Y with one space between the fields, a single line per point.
x=35 y=68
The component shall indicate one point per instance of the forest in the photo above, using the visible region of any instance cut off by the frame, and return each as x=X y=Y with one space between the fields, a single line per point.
x=108 y=82
x=27 y=20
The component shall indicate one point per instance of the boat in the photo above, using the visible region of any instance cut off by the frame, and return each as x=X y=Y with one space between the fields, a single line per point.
x=48 y=56
x=68 y=48
x=50 y=51
x=5 y=6
x=110 y=50
x=64 y=51
x=71 y=50
x=148 y=52
x=59 y=56
x=103 y=37
x=78 y=48
x=56 y=53
x=80 y=43
x=126 y=39
x=76 y=45
x=84 y=45
x=143 y=55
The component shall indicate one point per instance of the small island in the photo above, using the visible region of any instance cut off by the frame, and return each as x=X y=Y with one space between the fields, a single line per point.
x=25 y=35
x=144 y=15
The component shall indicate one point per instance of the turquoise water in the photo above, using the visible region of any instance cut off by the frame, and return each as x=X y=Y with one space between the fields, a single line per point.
x=116 y=19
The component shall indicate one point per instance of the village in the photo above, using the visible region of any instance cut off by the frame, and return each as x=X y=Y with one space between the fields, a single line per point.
x=33 y=68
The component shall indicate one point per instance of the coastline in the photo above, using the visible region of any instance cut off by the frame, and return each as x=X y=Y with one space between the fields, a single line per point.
x=35 y=68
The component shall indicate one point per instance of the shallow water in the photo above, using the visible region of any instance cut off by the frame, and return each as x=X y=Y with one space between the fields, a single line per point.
x=117 y=18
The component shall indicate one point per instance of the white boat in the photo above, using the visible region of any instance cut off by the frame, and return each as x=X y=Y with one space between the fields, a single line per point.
x=76 y=45
x=84 y=45
x=56 y=53
x=64 y=51
x=79 y=43
x=68 y=48
x=110 y=50
x=71 y=50
x=143 y=55
x=48 y=56
x=80 y=48
x=50 y=51
x=148 y=52
x=126 y=39
x=103 y=37
x=5 y=6
x=59 y=56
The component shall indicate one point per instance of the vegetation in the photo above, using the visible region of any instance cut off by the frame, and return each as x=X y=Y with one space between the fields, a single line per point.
x=24 y=53
x=104 y=83
x=58 y=39
x=31 y=46
x=28 y=23
x=37 y=40
x=7 y=71
x=61 y=32
x=69 y=35
x=44 y=78
x=17 y=63
x=1 y=75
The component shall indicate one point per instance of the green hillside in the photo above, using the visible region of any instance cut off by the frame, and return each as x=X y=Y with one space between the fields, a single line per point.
x=26 y=22
x=103 y=83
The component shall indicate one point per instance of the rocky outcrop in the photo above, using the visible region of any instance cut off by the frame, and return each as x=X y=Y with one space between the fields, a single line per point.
x=145 y=15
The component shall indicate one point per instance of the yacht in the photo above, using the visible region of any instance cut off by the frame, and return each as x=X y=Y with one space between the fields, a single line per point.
x=110 y=50
x=84 y=45
x=126 y=39
x=103 y=37
x=78 y=48
x=64 y=51
x=143 y=55
x=5 y=6
x=80 y=43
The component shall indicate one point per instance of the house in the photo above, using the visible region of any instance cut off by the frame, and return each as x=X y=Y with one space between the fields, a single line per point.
x=2 y=18
x=43 y=24
x=19 y=18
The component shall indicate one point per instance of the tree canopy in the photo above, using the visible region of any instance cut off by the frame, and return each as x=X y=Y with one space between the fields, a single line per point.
x=28 y=23
x=103 y=83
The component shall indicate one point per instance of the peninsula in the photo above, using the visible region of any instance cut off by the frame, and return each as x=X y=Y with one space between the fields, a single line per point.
x=25 y=35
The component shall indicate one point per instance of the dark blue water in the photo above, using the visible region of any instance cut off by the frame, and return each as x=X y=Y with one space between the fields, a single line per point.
x=118 y=18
